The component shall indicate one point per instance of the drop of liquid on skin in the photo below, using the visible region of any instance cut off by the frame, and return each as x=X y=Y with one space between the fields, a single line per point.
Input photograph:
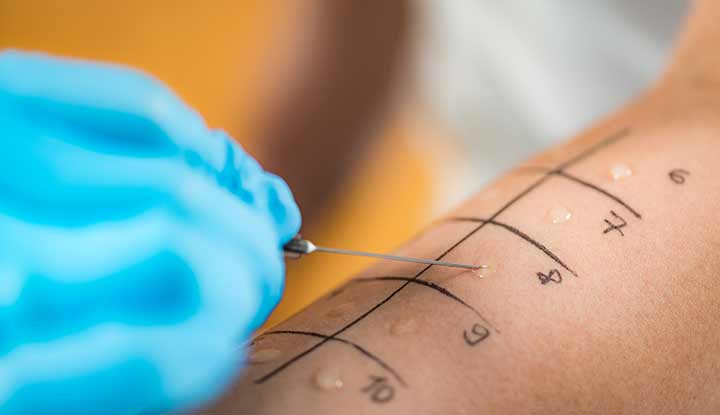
x=263 y=355
x=340 y=310
x=403 y=327
x=558 y=214
x=485 y=272
x=620 y=171
x=327 y=380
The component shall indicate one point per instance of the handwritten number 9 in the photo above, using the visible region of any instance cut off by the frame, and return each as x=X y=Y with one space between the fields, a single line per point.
x=477 y=334
x=678 y=176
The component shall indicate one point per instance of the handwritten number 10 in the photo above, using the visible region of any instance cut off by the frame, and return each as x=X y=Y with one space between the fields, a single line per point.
x=379 y=389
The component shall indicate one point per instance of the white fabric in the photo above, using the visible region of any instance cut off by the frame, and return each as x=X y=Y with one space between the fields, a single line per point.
x=509 y=78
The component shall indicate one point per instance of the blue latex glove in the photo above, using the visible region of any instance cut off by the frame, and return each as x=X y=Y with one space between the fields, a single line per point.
x=137 y=247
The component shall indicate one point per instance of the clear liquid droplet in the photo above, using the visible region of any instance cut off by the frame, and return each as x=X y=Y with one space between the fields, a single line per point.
x=558 y=214
x=620 y=171
x=327 y=380
x=402 y=327
x=485 y=271
x=263 y=355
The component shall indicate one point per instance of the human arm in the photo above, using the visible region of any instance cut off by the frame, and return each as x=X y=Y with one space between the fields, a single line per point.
x=634 y=332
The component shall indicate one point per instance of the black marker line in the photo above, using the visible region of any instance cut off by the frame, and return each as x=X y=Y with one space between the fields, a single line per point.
x=429 y=284
x=357 y=347
x=581 y=156
x=597 y=189
x=521 y=234
x=397 y=290
x=330 y=337
x=582 y=182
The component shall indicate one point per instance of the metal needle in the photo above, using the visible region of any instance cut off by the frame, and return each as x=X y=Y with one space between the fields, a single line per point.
x=298 y=247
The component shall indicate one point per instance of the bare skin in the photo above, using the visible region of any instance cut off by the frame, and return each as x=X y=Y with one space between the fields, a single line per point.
x=634 y=331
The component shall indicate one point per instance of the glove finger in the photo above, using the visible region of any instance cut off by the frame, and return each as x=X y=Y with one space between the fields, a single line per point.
x=282 y=207
x=250 y=231
x=229 y=299
x=130 y=111
x=243 y=176
x=51 y=181
x=122 y=110
x=43 y=159
x=61 y=184
x=197 y=203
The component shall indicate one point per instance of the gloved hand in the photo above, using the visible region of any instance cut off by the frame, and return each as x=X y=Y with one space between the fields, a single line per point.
x=138 y=248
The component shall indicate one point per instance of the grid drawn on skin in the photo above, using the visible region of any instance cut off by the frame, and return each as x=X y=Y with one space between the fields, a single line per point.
x=537 y=183
x=350 y=343
x=366 y=353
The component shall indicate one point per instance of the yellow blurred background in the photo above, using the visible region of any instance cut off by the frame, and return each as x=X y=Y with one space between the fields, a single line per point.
x=216 y=58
